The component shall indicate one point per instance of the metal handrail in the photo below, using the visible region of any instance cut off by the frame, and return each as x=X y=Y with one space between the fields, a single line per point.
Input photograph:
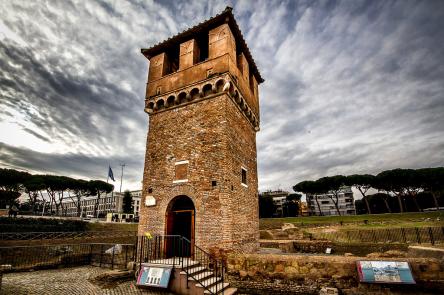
x=47 y=256
x=8 y=236
x=164 y=249
x=210 y=259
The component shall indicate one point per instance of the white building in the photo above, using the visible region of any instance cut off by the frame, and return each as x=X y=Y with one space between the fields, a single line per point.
x=324 y=202
x=111 y=203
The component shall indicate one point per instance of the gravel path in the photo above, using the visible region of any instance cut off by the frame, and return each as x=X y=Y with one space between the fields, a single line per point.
x=66 y=281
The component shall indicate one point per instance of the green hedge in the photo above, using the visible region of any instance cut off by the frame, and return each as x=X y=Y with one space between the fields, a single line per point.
x=40 y=225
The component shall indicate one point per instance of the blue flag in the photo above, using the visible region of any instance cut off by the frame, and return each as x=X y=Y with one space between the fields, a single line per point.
x=110 y=173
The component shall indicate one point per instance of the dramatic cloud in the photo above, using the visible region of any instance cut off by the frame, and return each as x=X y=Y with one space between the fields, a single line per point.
x=351 y=86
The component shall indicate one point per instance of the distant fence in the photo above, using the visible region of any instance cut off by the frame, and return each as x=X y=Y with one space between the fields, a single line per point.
x=29 y=236
x=414 y=235
x=43 y=257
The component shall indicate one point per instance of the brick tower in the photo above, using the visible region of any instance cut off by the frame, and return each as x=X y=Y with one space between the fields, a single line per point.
x=200 y=175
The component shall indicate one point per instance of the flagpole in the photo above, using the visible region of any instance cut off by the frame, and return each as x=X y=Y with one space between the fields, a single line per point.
x=121 y=176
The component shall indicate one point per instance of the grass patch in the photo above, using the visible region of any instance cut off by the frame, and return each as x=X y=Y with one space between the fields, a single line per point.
x=410 y=219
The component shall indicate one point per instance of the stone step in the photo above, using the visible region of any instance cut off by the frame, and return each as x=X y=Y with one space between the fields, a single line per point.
x=201 y=276
x=176 y=261
x=219 y=287
x=209 y=281
x=196 y=270
x=229 y=291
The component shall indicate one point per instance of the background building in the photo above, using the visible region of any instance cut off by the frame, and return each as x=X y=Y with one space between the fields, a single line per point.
x=323 y=203
x=111 y=203
x=279 y=198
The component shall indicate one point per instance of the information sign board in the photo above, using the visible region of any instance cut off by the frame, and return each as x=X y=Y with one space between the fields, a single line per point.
x=396 y=272
x=154 y=275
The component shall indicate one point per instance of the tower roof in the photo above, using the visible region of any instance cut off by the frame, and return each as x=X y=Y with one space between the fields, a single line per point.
x=225 y=16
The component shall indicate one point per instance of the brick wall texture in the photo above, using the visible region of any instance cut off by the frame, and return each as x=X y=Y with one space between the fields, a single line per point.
x=205 y=116
x=217 y=140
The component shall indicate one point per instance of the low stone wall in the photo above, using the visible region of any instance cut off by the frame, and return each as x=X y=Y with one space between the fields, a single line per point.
x=426 y=252
x=306 y=274
x=319 y=247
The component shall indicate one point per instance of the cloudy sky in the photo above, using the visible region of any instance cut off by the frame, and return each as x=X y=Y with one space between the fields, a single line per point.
x=351 y=86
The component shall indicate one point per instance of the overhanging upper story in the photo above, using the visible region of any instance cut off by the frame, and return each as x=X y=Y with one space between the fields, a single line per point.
x=200 y=57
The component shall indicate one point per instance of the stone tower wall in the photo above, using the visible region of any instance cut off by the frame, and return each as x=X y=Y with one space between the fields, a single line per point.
x=205 y=115
x=217 y=140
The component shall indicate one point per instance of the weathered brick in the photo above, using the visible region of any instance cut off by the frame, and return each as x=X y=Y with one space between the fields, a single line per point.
x=206 y=116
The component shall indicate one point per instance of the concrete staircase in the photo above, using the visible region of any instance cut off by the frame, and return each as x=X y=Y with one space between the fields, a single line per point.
x=192 y=278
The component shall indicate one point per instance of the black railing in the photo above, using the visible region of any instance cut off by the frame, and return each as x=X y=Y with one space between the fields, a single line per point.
x=54 y=256
x=412 y=235
x=199 y=265
x=28 y=236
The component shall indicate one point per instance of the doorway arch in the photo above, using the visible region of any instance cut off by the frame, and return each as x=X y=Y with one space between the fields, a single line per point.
x=179 y=219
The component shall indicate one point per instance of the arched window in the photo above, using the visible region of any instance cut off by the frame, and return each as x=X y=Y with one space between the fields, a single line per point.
x=194 y=94
x=182 y=97
x=170 y=101
x=219 y=85
x=207 y=89
x=160 y=104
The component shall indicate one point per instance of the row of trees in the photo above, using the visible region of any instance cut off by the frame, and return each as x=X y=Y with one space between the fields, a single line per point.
x=14 y=183
x=401 y=184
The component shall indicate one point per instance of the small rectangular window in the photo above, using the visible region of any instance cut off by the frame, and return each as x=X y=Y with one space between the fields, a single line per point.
x=181 y=171
x=244 y=176
x=202 y=41
x=172 y=59
x=213 y=183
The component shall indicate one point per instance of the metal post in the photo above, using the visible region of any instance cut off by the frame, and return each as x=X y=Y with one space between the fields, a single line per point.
x=374 y=235
x=101 y=255
x=174 y=251
x=112 y=259
x=418 y=237
x=140 y=249
x=432 y=240
x=388 y=234
x=90 y=253
x=121 y=176
x=403 y=235
x=181 y=249
x=126 y=255
x=216 y=271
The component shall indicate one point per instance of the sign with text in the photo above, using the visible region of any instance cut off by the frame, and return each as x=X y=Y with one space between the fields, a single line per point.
x=154 y=275
x=395 y=272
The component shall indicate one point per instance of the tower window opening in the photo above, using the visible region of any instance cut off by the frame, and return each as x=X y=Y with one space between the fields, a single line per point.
x=238 y=57
x=213 y=183
x=244 y=176
x=202 y=44
x=172 y=59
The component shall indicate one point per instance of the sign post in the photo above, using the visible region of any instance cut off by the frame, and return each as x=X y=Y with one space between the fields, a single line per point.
x=154 y=275
x=392 y=272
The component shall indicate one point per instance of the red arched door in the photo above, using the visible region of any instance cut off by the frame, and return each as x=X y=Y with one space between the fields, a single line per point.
x=180 y=222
